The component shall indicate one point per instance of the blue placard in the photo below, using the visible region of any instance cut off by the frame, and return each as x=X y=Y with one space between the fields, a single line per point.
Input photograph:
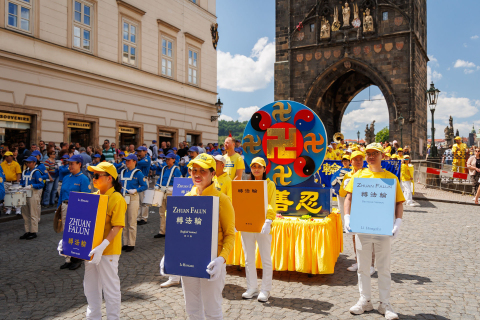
x=181 y=186
x=80 y=225
x=373 y=206
x=192 y=241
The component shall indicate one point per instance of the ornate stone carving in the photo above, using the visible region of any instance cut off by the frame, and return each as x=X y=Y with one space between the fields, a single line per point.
x=327 y=54
x=367 y=21
x=347 y=64
x=300 y=57
x=449 y=137
x=346 y=15
x=388 y=46
x=318 y=55
x=357 y=51
x=356 y=20
x=325 y=29
x=399 y=45
x=336 y=53
x=377 y=48
x=398 y=21
x=308 y=56
x=336 y=23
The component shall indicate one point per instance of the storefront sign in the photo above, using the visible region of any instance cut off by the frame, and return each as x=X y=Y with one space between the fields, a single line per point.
x=126 y=130
x=15 y=117
x=79 y=124
x=165 y=134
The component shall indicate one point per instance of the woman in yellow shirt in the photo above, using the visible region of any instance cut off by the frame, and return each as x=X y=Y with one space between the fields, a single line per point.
x=203 y=298
x=263 y=239
x=101 y=273
x=406 y=178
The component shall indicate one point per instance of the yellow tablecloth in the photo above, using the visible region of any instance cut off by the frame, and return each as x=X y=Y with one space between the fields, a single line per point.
x=304 y=246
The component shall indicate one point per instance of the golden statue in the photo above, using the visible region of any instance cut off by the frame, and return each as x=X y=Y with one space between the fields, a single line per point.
x=336 y=23
x=367 y=21
x=325 y=29
x=346 y=15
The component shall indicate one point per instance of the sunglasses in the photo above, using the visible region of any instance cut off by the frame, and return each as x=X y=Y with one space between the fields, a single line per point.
x=97 y=176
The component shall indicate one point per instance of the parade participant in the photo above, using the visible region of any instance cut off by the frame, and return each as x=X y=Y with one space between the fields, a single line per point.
x=96 y=159
x=2 y=184
x=76 y=181
x=101 y=273
x=203 y=297
x=387 y=148
x=144 y=162
x=346 y=161
x=165 y=183
x=459 y=150
x=62 y=171
x=32 y=180
x=13 y=174
x=235 y=165
x=394 y=157
x=330 y=155
x=263 y=240
x=387 y=156
x=177 y=157
x=39 y=165
x=399 y=154
x=338 y=152
x=406 y=177
x=133 y=182
x=365 y=243
x=223 y=182
x=120 y=163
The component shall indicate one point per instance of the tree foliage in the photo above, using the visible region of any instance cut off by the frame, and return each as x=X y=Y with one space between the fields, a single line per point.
x=235 y=127
x=382 y=135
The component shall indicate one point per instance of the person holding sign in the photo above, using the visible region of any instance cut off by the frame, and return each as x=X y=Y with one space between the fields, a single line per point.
x=133 y=182
x=365 y=242
x=223 y=182
x=203 y=297
x=263 y=239
x=32 y=179
x=407 y=180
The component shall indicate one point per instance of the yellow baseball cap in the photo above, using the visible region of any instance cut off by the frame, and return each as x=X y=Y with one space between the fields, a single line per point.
x=8 y=153
x=406 y=157
x=204 y=160
x=105 y=167
x=258 y=160
x=394 y=156
x=356 y=154
x=399 y=150
x=374 y=146
x=347 y=157
x=457 y=138
x=388 y=155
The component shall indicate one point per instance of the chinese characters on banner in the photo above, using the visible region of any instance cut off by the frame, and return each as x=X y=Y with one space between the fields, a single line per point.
x=303 y=200
x=77 y=242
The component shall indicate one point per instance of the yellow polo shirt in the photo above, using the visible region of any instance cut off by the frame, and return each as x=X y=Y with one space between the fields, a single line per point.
x=330 y=155
x=346 y=179
x=224 y=184
x=367 y=173
x=226 y=226
x=272 y=197
x=116 y=209
x=234 y=163
x=406 y=173
x=11 y=170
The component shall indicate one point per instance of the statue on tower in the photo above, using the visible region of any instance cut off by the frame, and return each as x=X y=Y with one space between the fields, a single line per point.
x=346 y=15
x=325 y=29
x=367 y=21
x=335 y=23
x=449 y=132
x=356 y=21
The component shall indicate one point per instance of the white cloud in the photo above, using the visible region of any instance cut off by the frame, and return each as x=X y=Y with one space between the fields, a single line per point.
x=246 y=113
x=247 y=74
x=369 y=110
x=464 y=64
x=455 y=106
x=475 y=37
x=225 y=117
x=433 y=60
x=432 y=75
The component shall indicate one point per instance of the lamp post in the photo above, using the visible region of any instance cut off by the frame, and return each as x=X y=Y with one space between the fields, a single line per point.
x=432 y=96
x=219 y=106
x=401 y=121
x=358 y=137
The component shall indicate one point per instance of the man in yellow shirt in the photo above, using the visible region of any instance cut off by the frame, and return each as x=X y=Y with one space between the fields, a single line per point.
x=365 y=243
x=13 y=173
x=235 y=165
x=459 y=151
x=338 y=153
x=223 y=182
x=406 y=176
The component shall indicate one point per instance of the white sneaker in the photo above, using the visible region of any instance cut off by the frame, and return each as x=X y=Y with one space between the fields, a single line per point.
x=9 y=210
x=372 y=270
x=18 y=211
x=361 y=306
x=250 y=293
x=263 y=296
x=169 y=283
x=353 y=267
x=387 y=310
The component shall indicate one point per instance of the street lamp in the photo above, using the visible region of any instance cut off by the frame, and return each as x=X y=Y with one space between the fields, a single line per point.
x=432 y=96
x=401 y=121
x=219 y=106
x=358 y=137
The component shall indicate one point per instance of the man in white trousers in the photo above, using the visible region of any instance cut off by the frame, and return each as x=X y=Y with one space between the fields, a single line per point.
x=364 y=243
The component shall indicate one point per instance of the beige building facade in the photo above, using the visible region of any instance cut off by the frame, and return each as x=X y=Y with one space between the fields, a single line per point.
x=87 y=70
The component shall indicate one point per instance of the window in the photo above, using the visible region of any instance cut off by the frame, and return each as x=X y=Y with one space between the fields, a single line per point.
x=20 y=15
x=82 y=25
x=167 y=57
x=194 y=1
x=385 y=16
x=312 y=27
x=129 y=43
x=192 y=67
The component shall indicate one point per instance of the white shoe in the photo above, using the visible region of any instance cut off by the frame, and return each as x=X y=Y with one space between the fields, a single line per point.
x=250 y=293
x=387 y=310
x=372 y=270
x=263 y=296
x=353 y=267
x=18 y=211
x=9 y=210
x=169 y=283
x=361 y=306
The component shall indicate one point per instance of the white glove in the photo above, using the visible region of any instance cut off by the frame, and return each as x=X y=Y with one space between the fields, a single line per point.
x=60 y=248
x=97 y=252
x=396 y=227
x=132 y=191
x=214 y=268
x=157 y=187
x=267 y=226
x=347 y=223
x=235 y=229
x=162 y=266
x=28 y=187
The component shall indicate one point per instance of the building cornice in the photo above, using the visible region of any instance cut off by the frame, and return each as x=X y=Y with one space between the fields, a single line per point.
x=167 y=25
x=194 y=38
x=130 y=7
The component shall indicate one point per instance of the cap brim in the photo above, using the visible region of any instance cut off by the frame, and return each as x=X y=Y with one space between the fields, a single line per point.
x=96 y=168
x=200 y=163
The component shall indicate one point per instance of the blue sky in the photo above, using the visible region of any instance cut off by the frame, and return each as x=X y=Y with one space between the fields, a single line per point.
x=246 y=54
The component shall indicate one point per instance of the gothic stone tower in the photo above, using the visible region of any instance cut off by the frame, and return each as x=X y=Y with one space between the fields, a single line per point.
x=325 y=56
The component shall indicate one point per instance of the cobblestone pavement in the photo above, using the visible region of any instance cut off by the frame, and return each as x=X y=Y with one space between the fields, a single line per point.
x=432 y=194
x=435 y=275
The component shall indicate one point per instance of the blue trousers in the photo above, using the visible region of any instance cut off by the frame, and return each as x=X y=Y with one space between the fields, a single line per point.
x=50 y=192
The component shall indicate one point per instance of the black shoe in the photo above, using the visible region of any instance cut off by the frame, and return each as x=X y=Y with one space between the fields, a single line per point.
x=31 y=236
x=25 y=235
x=124 y=248
x=75 y=265
x=141 y=222
x=159 y=235
x=65 y=265
x=130 y=248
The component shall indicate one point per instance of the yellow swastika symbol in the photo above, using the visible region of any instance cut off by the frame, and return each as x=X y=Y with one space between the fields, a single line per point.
x=281 y=111
x=281 y=143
